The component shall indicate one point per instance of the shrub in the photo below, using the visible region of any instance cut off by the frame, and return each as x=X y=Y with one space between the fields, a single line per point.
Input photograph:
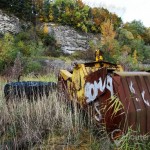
x=33 y=66
x=2 y=65
x=50 y=43
x=88 y=55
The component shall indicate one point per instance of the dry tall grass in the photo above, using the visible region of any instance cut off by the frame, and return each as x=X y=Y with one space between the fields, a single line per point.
x=51 y=124
x=44 y=124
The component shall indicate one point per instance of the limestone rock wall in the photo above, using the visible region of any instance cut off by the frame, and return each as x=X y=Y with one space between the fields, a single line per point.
x=67 y=37
x=70 y=39
x=9 y=23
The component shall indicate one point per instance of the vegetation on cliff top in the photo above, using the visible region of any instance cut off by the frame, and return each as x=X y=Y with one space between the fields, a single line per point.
x=127 y=43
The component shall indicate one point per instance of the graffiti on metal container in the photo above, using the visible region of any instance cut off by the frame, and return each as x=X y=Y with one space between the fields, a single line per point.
x=98 y=115
x=145 y=101
x=91 y=89
x=132 y=90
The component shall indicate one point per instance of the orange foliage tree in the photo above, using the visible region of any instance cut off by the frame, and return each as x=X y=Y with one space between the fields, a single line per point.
x=108 y=41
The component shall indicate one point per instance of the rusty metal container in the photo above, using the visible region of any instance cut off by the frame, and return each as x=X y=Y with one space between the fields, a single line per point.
x=118 y=99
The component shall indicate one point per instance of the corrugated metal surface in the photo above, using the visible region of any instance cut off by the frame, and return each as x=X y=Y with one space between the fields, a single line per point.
x=134 y=93
x=118 y=99
x=98 y=92
x=132 y=90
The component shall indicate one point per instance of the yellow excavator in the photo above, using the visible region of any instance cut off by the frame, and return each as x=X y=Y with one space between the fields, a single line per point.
x=118 y=99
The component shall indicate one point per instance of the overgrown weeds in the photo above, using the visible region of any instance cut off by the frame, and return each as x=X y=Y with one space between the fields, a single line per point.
x=132 y=140
x=44 y=124
x=51 y=124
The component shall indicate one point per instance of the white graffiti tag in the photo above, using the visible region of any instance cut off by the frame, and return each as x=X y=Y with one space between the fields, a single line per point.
x=91 y=90
x=145 y=101
x=98 y=115
x=132 y=88
x=142 y=94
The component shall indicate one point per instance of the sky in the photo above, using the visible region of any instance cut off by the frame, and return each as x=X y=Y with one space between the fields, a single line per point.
x=128 y=10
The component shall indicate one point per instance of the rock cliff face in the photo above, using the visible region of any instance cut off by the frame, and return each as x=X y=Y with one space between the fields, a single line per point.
x=9 y=23
x=70 y=39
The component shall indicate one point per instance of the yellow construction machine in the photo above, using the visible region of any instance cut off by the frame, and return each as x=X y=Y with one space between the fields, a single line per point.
x=118 y=99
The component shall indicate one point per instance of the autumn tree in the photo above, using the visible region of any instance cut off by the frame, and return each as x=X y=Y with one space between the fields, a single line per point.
x=45 y=29
x=108 y=35
x=117 y=21
x=134 y=56
x=80 y=4
x=68 y=11
x=108 y=42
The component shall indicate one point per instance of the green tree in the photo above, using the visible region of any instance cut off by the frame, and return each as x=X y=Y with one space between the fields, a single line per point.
x=8 y=51
x=147 y=54
x=125 y=37
x=21 y=8
x=138 y=45
x=136 y=28
x=146 y=36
